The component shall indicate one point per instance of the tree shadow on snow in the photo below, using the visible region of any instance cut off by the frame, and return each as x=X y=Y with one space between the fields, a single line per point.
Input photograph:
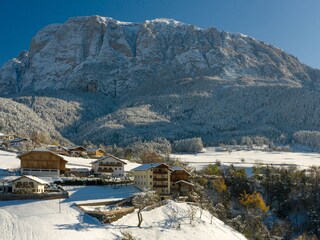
x=102 y=193
x=84 y=223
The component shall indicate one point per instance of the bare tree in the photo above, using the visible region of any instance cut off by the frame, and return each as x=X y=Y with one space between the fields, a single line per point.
x=142 y=200
x=191 y=213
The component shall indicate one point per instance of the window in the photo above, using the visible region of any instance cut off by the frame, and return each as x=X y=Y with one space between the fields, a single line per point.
x=150 y=176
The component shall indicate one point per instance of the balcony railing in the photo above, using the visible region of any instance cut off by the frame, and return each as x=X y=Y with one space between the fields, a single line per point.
x=160 y=186
x=105 y=170
x=110 y=164
x=159 y=172
x=160 y=178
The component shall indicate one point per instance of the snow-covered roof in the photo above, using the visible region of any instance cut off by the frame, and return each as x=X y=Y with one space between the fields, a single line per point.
x=93 y=149
x=36 y=179
x=75 y=147
x=111 y=156
x=183 y=181
x=178 y=168
x=40 y=150
x=19 y=139
x=148 y=166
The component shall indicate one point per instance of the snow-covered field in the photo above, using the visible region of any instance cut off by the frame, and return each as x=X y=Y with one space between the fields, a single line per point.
x=41 y=220
x=8 y=160
x=247 y=159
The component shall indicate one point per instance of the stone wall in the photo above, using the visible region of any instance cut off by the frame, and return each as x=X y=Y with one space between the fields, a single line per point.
x=45 y=196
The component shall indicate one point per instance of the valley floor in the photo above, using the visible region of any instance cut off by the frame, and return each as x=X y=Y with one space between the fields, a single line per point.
x=247 y=159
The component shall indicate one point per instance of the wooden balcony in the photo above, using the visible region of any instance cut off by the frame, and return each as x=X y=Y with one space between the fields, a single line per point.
x=105 y=170
x=160 y=179
x=110 y=164
x=160 y=186
x=159 y=172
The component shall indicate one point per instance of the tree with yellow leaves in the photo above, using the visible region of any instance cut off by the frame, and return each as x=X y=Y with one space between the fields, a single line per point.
x=253 y=201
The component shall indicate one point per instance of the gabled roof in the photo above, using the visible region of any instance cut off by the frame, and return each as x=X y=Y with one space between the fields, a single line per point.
x=183 y=181
x=178 y=168
x=36 y=179
x=111 y=156
x=148 y=166
x=18 y=139
x=75 y=147
x=57 y=147
x=93 y=149
x=42 y=150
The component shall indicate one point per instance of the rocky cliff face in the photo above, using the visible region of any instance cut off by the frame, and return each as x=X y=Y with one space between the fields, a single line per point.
x=102 y=54
x=98 y=79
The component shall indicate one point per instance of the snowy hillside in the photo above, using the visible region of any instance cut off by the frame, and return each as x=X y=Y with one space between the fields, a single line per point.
x=27 y=220
x=172 y=221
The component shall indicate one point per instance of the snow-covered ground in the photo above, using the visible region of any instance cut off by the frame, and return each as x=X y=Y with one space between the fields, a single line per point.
x=172 y=221
x=41 y=220
x=8 y=160
x=247 y=159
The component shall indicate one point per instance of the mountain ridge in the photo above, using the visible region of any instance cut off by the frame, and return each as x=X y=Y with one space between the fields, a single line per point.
x=159 y=78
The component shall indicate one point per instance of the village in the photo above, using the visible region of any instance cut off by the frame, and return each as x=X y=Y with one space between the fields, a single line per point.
x=99 y=189
x=47 y=172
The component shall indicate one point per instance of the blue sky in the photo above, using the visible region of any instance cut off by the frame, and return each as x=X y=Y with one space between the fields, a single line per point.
x=292 y=25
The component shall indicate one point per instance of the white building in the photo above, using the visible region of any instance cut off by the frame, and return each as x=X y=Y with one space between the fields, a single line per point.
x=109 y=164
x=28 y=184
x=153 y=176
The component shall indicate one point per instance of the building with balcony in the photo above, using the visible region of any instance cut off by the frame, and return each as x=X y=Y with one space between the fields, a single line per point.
x=109 y=164
x=180 y=184
x=153 y=176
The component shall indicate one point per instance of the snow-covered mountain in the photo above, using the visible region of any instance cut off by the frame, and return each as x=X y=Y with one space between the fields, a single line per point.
x=113 y=57
x=159 y=78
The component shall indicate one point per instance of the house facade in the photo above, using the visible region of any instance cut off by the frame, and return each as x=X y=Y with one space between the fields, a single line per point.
x=153 y=176
x=180 y=184
x=28 y=184
x=59 y=150
x=16 y=142
x=6 y=137
x=42 y=162
x=109 y=164
x=77 y=151
x=95 y=152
